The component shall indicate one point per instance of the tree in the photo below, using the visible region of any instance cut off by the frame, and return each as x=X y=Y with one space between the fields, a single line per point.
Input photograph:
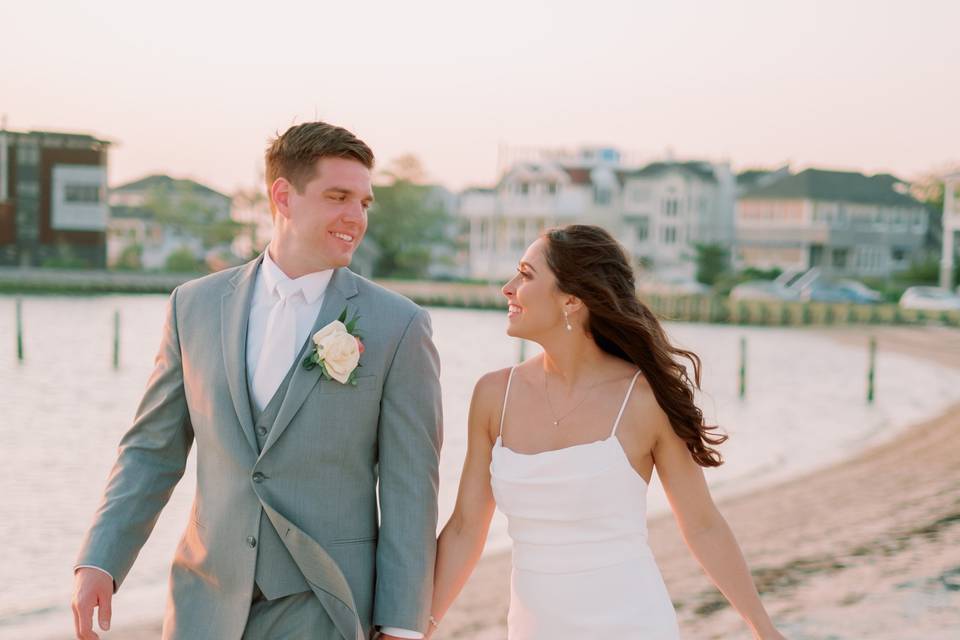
x=182 y=261
x=712 y=262
x=408 y=221
x=131 y=258
x=182 y=210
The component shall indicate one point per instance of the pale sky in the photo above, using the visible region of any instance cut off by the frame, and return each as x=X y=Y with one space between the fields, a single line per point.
x=195 y=89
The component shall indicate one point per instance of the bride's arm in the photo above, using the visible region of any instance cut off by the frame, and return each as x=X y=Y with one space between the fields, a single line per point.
x=461 y=541
x=705 y=530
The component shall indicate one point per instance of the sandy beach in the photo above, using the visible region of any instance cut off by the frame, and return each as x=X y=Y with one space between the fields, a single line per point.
x=867 y=548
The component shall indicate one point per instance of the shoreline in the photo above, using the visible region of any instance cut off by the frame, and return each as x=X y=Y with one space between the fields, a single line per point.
x=865 y=547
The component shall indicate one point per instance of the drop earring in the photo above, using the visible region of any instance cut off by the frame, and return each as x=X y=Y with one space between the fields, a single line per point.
x=566 y=317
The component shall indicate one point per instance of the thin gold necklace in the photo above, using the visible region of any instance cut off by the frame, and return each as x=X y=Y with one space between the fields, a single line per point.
x=586 y=394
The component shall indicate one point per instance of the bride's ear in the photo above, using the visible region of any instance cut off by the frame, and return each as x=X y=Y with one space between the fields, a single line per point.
x=573 y=304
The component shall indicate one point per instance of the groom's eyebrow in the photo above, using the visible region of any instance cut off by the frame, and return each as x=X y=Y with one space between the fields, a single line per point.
x=348 y=192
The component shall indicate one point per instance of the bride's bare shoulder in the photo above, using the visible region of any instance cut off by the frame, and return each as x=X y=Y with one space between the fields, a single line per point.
x=491 y=386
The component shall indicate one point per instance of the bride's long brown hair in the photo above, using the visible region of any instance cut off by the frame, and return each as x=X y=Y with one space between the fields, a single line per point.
x=590 y=264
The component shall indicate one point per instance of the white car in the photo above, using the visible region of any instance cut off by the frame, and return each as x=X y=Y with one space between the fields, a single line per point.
x=930 y=299
x=763 y=290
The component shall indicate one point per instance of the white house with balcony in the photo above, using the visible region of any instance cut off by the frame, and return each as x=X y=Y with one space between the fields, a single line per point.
x=533 y=196
x=670 y=207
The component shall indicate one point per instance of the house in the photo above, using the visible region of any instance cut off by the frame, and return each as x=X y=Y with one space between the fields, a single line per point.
x=844 y=222
x=533 y=195
x=669 y=208
x=658 y=212
x=53 y=205
x=158 y=215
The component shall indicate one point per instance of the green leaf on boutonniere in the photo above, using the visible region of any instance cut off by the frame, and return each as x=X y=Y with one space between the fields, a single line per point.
x=312 y=360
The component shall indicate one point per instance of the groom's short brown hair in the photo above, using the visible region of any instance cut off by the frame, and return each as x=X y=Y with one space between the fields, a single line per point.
x=294 y=154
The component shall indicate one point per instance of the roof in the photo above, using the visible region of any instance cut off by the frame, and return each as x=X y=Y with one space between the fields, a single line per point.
x=167 y=183
x=842 y=186
x=61 y=138
x=578 y=175
x=699 y=169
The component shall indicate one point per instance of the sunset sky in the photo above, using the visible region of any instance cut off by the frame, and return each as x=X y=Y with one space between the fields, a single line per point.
x=195 y=89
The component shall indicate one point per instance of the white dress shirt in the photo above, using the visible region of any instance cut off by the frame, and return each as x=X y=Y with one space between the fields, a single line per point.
x=313 y=286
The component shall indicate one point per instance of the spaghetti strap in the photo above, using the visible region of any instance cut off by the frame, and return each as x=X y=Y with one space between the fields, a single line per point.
x=506 y=394
x=616 y=424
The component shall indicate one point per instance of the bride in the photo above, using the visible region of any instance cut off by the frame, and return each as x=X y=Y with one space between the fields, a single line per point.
x=565 y=444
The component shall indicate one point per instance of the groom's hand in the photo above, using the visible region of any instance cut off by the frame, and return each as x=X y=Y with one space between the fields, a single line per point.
x=91 y=588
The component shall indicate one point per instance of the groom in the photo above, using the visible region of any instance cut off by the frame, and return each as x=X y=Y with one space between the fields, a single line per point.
x=284 y=539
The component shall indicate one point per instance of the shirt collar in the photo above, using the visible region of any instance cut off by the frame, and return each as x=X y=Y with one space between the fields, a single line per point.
x=313 y=285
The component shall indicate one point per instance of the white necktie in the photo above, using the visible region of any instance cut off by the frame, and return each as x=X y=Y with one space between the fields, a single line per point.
x=279 y=344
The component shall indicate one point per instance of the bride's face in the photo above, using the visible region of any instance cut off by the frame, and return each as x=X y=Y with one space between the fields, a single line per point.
x=536 y=305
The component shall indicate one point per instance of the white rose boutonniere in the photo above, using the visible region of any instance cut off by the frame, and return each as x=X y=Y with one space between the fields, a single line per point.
x=336 y=351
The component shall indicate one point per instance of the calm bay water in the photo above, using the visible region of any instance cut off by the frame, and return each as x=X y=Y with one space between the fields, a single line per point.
x=65 y=408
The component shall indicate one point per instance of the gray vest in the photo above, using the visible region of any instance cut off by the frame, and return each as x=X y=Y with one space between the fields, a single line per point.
x=277 y=574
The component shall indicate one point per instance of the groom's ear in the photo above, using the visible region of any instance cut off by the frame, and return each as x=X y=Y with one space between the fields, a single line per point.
x=280 y=196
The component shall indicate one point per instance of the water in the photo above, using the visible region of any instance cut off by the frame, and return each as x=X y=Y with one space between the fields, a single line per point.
x=65 y=409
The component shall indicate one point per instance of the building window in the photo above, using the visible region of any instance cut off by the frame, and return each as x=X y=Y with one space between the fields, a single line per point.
x=28 y=189
x=552 y=188
x=484 y=235
x=670 y=206
x=899 y=254
x=28 y=155
x=641 y=194
x=601 y=195
x=840 y=258
x=643 y=228
x=524 y=188
x=82 y=193
x=669 y=235
x=517 y=239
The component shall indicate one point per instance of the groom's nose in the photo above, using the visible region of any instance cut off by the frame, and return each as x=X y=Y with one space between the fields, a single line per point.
x=354 y=212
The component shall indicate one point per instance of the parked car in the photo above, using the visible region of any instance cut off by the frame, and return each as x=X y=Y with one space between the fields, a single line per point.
x=763 y=290
x=849 y=291
x=930 y=299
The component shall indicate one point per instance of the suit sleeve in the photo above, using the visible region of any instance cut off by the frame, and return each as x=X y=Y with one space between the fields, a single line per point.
x=411 y=433
x=151 y=460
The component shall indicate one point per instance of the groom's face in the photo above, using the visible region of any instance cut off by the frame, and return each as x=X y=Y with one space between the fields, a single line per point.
x=329 y=215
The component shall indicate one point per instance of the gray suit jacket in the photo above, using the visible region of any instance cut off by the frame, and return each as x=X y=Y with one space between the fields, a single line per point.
x=316 y=477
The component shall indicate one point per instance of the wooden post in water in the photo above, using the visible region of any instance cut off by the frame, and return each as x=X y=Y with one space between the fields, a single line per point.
x=743 y=367
x=871 y=372
x=19 y=330
x=116 y=339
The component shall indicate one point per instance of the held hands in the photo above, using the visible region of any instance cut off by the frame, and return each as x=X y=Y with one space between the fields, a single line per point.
x=91 y=588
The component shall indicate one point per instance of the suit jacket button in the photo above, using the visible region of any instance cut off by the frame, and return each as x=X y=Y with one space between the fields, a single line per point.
x=261 y=431
x=251 y=542
x=259 y=477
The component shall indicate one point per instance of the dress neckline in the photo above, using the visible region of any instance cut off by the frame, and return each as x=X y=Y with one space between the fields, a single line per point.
x=498 y=444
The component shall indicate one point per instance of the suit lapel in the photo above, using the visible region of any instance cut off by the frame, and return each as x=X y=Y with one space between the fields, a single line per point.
x=342 y=287
x=234 y=317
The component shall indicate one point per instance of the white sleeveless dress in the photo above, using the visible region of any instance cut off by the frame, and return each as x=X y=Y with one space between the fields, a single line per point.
x=582 y=568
